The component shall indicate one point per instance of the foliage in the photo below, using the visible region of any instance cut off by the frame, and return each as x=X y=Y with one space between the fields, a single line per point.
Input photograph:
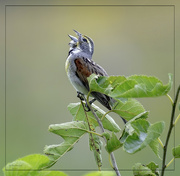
x=135 y=86
x=176 y=151
x=145 y=170
x=30 y=165
x=105 y=173
x=137 y=134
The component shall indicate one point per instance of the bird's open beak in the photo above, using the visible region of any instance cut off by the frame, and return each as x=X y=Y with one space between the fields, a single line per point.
x=77 y=33
x=73 y=38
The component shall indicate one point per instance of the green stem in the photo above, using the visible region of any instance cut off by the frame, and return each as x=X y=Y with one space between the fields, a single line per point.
x=110 y=161
x=105 y=115
x=97 y=118
x=92 y=132
x=170 y=162
x=178 y=117
x=171 y=125
x=159 y=140
x=88 y=95
x=171 y=100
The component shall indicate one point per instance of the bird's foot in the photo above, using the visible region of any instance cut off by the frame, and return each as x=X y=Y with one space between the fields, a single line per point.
x=82 y=98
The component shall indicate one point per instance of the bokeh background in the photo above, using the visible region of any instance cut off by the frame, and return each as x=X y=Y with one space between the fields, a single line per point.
x=128 y=40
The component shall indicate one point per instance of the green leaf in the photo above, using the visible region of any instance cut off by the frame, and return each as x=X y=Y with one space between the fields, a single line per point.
x=95 y=146
x=129 y=109
x=149 y=86
x=71 y=132
x=37 y=161
x=102 y=86
x=154 y=145
x=153 y=166
x=129 y=130
x=140 y=133
x=135 y=86
x=101 y=173
x=51 y=173
x=106 y=135
x=137 y=131
x=29 y=165
x=76 y=109
x=78 y=113
x=141 y=170
x=108 y=122
x=113 y=143
x=176 y=151
x=154 y=131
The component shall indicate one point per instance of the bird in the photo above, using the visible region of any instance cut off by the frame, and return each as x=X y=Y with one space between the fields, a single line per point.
x=79 y=66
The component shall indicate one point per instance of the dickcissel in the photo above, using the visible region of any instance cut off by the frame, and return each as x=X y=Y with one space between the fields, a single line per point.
x=79 y=66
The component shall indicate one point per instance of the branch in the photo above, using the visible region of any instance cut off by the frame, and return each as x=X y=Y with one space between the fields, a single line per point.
x=91 y=130
x=171 y=125
x=102 y=129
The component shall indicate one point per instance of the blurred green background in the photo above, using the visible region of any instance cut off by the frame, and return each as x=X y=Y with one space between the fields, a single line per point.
x=128 y=40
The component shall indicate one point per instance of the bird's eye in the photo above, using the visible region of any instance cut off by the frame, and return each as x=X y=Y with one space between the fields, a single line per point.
x=84 y=40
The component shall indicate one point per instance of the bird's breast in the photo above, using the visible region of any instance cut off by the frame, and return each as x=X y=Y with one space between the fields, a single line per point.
x=70 y=68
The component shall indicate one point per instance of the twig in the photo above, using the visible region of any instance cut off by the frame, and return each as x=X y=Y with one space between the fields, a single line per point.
x=159 y=140
x=91 y=131
x=167 y=165
x=102 y=129
x=115 y=164
x=178 y=117
x=170 y=98
x=171 y=125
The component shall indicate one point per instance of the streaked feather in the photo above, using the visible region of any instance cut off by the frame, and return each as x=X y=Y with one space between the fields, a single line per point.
x=85 y=68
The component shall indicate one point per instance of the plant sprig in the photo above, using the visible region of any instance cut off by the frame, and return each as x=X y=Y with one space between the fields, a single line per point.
x=137 y=134
x=171 y=125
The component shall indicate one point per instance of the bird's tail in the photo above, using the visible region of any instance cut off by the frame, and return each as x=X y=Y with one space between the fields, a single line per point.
x=113 y=104
x=106 y=101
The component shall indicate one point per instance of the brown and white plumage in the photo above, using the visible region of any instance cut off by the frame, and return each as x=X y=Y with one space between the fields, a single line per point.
x=85 y=68
x=79 y=66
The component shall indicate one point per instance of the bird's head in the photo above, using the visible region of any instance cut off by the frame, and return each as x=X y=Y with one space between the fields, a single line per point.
x=83 y=43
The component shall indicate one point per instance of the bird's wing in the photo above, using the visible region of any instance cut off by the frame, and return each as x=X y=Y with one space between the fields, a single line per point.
x=86 y=67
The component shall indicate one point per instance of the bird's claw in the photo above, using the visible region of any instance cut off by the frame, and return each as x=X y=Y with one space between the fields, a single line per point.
x=82 y=98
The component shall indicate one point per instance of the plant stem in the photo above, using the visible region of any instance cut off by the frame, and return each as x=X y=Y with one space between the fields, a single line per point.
x=105 y=115
x=178 y=117
x=115 y=164
x=94 y=114
x=170 y=162
x=92 y=132
x=102 y=129
x=159 y=140
x=110 y=161
x=170 y=98
x=171 y=125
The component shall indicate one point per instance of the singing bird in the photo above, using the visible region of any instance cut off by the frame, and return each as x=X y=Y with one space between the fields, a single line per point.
x=79 y=66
